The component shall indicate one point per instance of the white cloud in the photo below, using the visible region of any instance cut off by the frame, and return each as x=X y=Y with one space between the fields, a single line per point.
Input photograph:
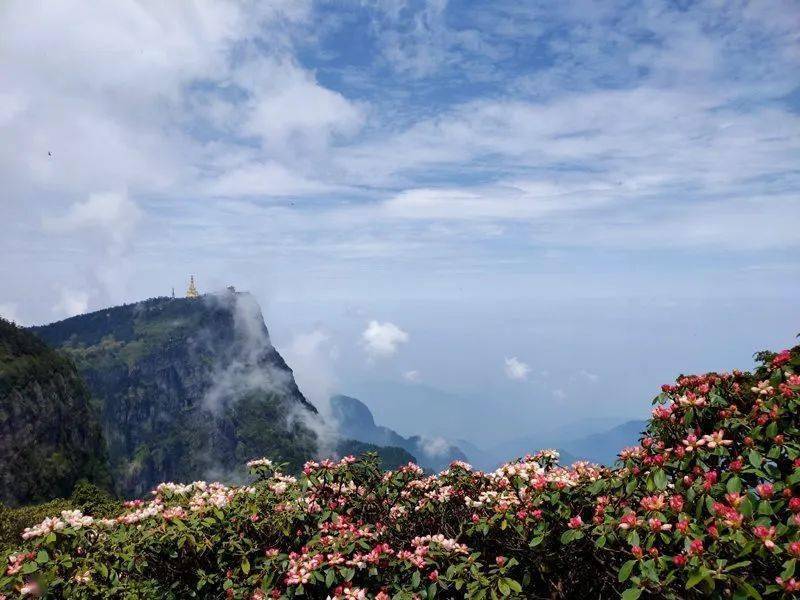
x=288 y=106
x=589 y=376
x=312 y=356
x=383 y=339
x=412 y=376
x=516 y=369
x=112 y=214
x=9 y=311
x=559 y=394
x=263 y=179
x=434 y=446
x=71 y=302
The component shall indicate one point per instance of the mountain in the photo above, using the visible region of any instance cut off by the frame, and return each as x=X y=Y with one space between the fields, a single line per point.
x=186 y=388
x=593 y=439
x=603 y=447
x=355 y=421
x=49 y=436
x=391 y=457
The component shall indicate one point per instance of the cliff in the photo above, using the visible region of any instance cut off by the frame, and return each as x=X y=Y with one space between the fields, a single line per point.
x=186 y=388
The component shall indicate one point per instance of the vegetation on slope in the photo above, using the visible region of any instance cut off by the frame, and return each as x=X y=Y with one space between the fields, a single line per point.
x=708 y=504
x=49 y=436
x=186 y=388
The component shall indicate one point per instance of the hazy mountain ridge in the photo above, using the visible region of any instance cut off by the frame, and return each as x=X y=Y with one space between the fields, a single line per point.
x=355 y=420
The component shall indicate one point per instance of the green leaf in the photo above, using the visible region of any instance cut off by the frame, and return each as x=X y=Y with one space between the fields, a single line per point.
x=415 y=579
x=631 y=594
x=625 y=571
x=245 y=566
x=570 y=535
x=330 y=577
x=755 y=458
x=734 y=485
x=42 y=557
x=660 y=479
x=695 y=578
x=748 y=591
x=788 y=569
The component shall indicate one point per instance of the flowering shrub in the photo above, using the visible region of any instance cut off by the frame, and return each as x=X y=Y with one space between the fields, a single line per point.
x=707 y=504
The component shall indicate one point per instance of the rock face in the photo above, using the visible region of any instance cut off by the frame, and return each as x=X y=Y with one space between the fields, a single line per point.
x=355 y=420
x=49 y=436
x=186 y=388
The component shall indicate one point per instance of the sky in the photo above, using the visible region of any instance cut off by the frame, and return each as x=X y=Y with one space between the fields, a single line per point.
x=541 y=211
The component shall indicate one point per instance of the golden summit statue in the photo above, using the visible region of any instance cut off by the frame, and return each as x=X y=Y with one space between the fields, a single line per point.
x=192 y=291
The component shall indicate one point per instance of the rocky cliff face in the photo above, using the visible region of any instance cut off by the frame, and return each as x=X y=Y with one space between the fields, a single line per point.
x=187 y=388
x=49 y=436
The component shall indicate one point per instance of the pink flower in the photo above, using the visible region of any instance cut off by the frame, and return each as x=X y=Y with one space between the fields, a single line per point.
x=653 y=503
x=575 y=522
x=628 y=521
x=765 y=490
x=766 y=535
x=782 y=358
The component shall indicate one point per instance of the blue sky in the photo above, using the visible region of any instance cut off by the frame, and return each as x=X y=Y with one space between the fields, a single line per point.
x=611 y=181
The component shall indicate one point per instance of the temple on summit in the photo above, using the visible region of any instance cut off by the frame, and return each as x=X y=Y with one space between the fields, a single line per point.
x=192 y=292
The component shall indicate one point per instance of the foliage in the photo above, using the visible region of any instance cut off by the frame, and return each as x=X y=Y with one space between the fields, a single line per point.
x=86 y=497
x=390 y=457
x=43 y=398
x=707 y=505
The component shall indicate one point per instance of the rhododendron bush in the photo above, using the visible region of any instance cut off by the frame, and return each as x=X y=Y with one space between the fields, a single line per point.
x=707 y=504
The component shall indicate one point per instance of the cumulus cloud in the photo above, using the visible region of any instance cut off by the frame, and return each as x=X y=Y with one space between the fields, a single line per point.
x=516 y=369
x=382 y=339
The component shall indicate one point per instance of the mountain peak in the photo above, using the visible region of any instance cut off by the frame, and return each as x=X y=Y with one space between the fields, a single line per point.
x=186 y=386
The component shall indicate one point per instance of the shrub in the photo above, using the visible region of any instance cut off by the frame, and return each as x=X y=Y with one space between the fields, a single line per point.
x=707 y=504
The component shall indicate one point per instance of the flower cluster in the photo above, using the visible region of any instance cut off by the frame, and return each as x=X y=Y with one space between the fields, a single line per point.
x=708 y=503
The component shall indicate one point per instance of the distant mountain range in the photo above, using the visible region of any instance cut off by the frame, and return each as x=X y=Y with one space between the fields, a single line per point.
x=355 y=420
x=596 y=441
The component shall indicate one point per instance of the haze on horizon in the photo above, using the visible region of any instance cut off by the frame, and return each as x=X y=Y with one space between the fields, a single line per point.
x=539 y=212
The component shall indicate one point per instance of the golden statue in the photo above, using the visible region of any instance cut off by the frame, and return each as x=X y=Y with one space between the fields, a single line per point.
x=192 y=291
